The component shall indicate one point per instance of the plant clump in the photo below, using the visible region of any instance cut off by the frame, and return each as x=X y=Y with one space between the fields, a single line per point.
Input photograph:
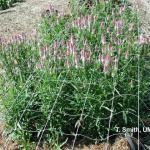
x=4 y=4
x=83 y=78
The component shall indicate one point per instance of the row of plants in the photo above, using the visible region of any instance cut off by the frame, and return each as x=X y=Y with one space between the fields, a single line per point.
x=4 y=4
x=83 y=76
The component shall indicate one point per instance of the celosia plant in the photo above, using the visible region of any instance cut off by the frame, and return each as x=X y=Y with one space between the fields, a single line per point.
x=82 y=80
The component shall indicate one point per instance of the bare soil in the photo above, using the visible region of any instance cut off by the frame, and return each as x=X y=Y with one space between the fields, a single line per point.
x=120 y=144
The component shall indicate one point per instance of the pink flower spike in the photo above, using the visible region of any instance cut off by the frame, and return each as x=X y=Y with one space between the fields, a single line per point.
x=102 y=59
x=83 y=22
x=67 y=64
x=71 y=40
x=20 y=38
x=67 y=53
x=122 y=9
x=118 y=24
x=108 y=30
x=110 y=47
x=107 y=60
x=39 y=66
x=70 y=44
x=46 y=48
x=119 y=42
x=103 y=39
x=43 y=53
x=89 y=20
x=79 y=24
x=102 y=24
x=88 y=56
x=51 y=8
x=126 y=55
x=116 y=63
x=77 y=61
x=105 y=69
x=143 y=39
x=55 y=45
x=75 y=23
x=82 y=55
x=99 y=57
x=1 y=40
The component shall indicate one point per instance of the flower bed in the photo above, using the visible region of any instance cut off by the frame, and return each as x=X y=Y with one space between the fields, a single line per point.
x=83 y=78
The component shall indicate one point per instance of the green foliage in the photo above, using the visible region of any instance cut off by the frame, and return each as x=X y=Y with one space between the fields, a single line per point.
x=4 y=4
x=86 y=69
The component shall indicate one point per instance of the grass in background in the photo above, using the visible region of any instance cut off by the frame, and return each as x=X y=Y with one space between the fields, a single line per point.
x=81 y=80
